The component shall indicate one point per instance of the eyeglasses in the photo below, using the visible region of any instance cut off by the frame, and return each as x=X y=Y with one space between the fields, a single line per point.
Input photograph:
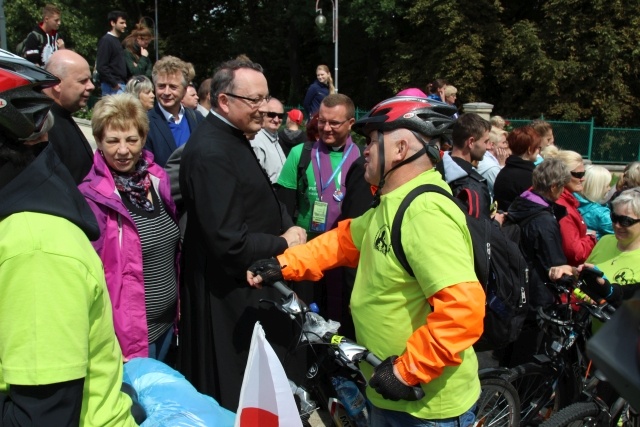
x=273 y=115
x=254 y=102
x=623 y=220
x=332 y=124
x=578 y=175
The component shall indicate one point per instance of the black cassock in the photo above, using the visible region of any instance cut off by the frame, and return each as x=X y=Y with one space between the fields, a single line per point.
x=234 y=219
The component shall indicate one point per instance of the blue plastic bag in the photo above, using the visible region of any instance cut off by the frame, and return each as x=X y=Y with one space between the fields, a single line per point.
x=170 y=400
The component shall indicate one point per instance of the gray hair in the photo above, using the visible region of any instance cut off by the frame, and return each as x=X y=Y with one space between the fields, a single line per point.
x=224 y=76
x=549 y=173
x=137 y=85
x=631 y=198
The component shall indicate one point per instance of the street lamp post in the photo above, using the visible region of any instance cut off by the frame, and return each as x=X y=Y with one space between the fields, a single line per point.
x=320 y=22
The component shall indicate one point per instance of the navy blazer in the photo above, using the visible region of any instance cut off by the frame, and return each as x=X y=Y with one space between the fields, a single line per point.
x=160 y=139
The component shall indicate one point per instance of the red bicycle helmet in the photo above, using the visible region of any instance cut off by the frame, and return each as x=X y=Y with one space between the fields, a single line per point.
x=23 y=108
x=424 y=116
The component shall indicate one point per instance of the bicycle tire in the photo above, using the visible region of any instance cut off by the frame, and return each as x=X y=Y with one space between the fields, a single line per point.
x=579 y=414
x=541 y=389
x=498 y=405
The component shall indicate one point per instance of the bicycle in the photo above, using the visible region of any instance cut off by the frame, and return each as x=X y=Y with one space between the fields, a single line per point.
x=497 y=406
x=594 y=411
x=553 y=380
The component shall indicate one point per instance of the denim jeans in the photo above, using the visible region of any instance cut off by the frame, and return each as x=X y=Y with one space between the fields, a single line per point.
x=108 y=90
x=387 y=418
x=160 y=347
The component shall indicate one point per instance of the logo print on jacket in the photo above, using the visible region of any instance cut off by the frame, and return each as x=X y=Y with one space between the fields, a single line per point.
x=382 y=242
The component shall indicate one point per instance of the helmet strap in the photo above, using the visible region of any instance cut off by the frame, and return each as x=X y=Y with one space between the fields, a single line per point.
x=381 y=162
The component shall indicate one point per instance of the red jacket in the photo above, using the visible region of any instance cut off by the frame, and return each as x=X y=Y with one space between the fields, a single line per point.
x=576 y=243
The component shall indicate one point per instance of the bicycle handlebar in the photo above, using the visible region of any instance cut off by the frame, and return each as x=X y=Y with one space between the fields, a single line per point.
x=346 y=351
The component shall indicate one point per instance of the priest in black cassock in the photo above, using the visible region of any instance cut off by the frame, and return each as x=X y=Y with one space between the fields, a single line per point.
x=234 y=219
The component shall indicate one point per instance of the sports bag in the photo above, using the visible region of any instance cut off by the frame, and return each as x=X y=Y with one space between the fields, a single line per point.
x=499 y=265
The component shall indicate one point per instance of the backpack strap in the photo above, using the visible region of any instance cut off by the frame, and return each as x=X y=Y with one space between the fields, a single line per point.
x=396 y=233
x=303 y=164
x=471 y=200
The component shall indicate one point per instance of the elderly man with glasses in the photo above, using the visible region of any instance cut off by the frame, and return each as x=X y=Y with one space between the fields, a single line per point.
x=266 y=144
x=235 y=218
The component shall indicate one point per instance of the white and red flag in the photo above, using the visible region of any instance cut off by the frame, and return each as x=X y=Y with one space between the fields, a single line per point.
x=266 y=399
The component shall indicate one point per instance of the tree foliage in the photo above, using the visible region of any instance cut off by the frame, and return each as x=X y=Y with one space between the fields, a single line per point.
x=565 y=59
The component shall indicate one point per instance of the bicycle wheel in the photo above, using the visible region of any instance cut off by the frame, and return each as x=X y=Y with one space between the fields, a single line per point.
x=580 y=414
x=541 y=389
x=498 y=405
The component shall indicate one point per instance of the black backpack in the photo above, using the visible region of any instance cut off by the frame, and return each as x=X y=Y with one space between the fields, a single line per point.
x=21 y=48
x=499 y=265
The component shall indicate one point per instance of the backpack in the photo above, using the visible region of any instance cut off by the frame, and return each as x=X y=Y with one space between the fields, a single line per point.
x=499 y=265
x=303 y=164
x=21 y=48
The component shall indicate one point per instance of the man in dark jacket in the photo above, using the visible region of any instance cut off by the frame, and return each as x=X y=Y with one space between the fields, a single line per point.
x=235 y=219
x=44 y=39
x=69 y=96
x=112 y=66
x=470 y=136
x=170 y=123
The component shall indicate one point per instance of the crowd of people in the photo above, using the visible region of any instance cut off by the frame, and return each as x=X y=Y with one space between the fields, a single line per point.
x=195 y=196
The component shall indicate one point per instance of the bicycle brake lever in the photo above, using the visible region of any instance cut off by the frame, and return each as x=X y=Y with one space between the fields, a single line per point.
x=277 y=305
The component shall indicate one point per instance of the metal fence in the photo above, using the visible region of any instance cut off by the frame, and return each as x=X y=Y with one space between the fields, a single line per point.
x=600 y=145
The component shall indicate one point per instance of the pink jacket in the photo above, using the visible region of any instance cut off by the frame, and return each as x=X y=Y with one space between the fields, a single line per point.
x=121 y=252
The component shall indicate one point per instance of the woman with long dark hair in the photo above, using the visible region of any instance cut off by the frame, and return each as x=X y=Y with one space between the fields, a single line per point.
x=136 y=54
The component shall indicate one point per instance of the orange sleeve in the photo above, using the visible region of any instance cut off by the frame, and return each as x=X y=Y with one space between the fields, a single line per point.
x=454 y=325
x=334 y=248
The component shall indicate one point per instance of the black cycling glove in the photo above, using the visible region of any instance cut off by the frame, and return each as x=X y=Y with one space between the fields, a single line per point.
x=268 y=269
x=388 y=385
x=611 y=292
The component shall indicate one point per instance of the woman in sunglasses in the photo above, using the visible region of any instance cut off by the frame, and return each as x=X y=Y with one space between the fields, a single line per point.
x=576 y=242
x=618 y=254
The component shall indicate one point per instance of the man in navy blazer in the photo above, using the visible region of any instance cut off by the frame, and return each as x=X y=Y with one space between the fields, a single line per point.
x=170 y=124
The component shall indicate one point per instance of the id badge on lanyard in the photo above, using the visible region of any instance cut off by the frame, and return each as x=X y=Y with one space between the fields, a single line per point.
x=319 y=216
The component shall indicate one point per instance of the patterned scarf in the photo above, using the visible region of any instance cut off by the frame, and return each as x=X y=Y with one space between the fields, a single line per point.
x=135 y=185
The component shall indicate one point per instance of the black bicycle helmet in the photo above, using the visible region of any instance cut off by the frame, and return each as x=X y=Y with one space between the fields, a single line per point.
x=423 y=117
x=23 y=108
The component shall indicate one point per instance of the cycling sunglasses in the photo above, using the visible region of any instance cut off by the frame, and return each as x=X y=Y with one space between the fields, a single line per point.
x=623 y=220
x=578 y=175
x=273 y=115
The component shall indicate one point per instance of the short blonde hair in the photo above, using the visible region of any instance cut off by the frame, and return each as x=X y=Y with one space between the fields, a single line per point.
x=119 y=112
x=498 y=122
x=450 y=90
x=495 y=134
x=569 y=158
x=169 y=65
x=597 y=181
x=631 y=176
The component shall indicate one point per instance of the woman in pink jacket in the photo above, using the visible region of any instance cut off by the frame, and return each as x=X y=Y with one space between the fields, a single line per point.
x=131 y=199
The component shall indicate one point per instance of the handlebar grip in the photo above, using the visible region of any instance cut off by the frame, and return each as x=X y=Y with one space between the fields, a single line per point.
x=282 y=288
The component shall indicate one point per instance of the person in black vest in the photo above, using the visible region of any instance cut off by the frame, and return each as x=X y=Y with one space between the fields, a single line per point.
x=470 y=135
